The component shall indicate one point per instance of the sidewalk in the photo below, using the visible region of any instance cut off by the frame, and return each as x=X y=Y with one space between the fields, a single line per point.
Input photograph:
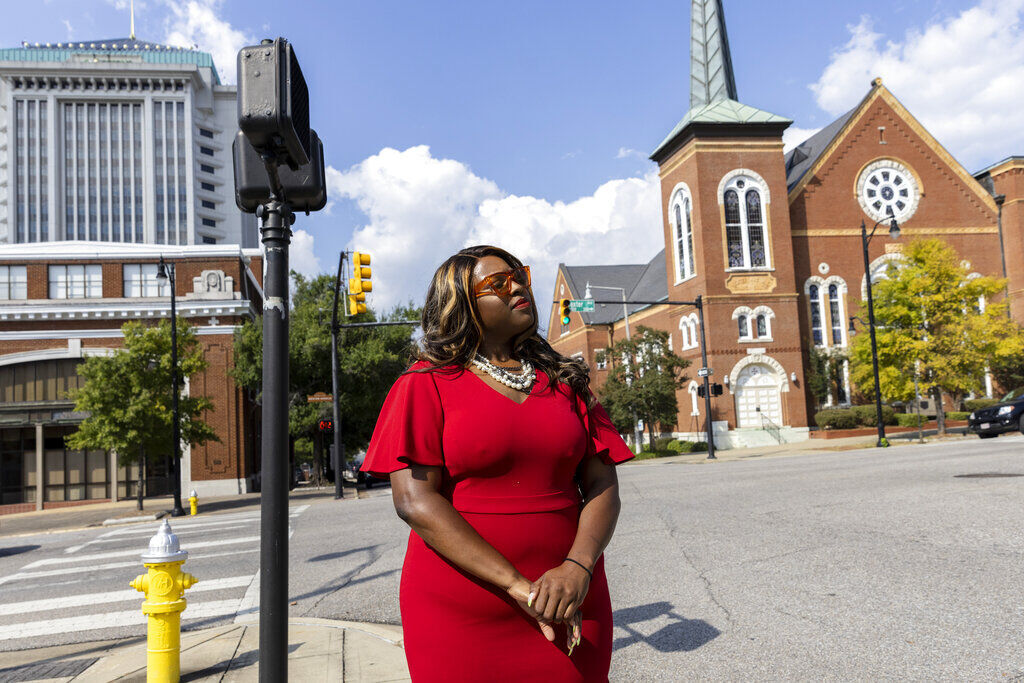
x=84 y=516
x=318 y=650
x=808 y=447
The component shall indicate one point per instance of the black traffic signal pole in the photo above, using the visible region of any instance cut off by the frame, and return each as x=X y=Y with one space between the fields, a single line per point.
x=698 y=303
x=339 y=455
x=275 y=230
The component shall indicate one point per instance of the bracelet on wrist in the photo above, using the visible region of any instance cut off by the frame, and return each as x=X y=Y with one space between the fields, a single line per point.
x=582 y=566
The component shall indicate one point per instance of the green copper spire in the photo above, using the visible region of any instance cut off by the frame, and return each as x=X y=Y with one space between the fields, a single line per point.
x=711 y=77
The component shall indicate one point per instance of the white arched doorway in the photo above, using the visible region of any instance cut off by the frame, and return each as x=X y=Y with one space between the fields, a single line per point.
x=757 y=393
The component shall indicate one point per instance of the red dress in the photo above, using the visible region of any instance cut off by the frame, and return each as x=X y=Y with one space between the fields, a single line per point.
x=508 y=469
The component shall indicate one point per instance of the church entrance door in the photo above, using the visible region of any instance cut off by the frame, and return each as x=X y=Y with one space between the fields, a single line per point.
x=757 y=394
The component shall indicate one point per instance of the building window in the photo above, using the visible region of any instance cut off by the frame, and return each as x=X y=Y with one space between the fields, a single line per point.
x=76 y=282
x=762 y=327
x=814 y=294
x=754 y=325
x=836 y=315
x=744 y=223
x=206 y=133
x=31 y=155
x=170 y=187
x=744 y=327
x=209 y=240
x=206 y=150
x=207 y=204
x=209 y=223
x=207 y=186
x=13 y=282
x=688 y=327
x=682 y=227
x=206 y=168
x=140 y=281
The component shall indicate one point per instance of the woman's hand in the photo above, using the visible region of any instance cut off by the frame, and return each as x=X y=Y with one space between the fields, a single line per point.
x=560 y=591
x=520 y=592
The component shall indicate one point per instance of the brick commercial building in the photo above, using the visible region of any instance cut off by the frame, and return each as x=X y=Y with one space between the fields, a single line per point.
x=113 y=154
x=771 y=241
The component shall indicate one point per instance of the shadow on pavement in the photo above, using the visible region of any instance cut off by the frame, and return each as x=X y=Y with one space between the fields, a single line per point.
x=343 y=553
x=239 y=661
x=680 y=634
x=17 y=550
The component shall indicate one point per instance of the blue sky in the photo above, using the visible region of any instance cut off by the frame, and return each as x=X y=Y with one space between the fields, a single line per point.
x=544 y=102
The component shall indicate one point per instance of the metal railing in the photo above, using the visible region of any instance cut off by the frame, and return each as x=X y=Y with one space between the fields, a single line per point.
x=773 y=429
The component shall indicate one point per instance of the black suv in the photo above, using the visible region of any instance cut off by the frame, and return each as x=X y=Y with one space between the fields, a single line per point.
x=1005 y=416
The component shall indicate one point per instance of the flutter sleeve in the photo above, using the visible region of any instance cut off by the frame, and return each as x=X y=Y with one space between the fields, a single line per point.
x=605 y=441
x=409 y=427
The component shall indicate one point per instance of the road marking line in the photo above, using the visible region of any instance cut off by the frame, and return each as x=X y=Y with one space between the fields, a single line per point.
x=90 y=622
x=176 y=531
x=112 y=565
x=89 y=599
x=135 y=551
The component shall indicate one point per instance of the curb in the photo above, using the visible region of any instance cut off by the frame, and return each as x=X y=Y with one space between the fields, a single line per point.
x=134 y=520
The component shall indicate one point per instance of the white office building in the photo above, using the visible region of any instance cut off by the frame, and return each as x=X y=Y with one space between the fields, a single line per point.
x=117 y=141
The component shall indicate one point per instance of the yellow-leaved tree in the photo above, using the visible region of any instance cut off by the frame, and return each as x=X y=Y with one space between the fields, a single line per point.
x=936 y=323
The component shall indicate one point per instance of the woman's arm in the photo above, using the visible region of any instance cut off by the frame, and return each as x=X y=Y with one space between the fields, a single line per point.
x=418 y=501
x=560 y=591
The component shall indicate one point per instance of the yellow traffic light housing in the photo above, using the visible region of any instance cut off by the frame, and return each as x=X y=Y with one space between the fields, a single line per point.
x=564 y=306
x=359 y=283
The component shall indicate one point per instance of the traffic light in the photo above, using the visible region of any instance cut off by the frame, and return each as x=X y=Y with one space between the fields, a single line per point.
x=564 y=306
x=325 y=425
x=700 y=391
x=359 y=283
x=716 y=389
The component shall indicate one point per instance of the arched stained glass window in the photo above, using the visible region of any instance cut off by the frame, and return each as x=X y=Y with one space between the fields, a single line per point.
x=755 y=229
x=762 y=326
x=741 y=322
x=689 y=235
x=734 y=229
x=682 y=223
x=816 y=332
x=836 y=315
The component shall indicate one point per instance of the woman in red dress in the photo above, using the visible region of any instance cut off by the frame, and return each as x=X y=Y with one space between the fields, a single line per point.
x=503 y=465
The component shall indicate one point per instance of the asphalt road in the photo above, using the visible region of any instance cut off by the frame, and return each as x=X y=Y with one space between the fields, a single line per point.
x=849 y=565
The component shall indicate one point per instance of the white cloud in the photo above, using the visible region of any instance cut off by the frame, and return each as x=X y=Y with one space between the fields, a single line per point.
x=626 y=152
x=70 y=29
x=197 y=22
x=422 y=209
x=793 y=136
x=302 y=254
x=960 y=76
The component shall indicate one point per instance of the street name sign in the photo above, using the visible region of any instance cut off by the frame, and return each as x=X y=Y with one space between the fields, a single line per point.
x=705 y=372
x=319 y=397
x=581 y=305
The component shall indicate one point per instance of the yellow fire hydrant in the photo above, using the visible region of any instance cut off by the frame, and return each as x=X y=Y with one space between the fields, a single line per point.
x=164 y=585
x=193 y=502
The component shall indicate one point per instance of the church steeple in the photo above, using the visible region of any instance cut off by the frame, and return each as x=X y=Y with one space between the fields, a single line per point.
x=711 y=77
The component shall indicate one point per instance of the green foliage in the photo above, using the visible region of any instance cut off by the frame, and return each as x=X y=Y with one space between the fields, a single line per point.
x=1009 y=371
x=679 y=446
x=973 y=404
x=929 y=325
x=369 y=360
x=646 y=386
x=128 y=395
x=868 y=417
x=825 y=373
x=957 y=415
x=910 y=419
x=836 y=418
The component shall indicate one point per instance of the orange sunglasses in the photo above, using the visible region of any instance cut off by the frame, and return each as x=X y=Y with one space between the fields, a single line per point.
x=501 y=283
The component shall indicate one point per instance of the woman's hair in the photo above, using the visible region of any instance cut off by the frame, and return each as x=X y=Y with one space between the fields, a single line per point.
x=453 y=332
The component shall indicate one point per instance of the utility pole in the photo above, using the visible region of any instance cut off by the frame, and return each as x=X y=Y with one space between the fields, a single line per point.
x=339 y=453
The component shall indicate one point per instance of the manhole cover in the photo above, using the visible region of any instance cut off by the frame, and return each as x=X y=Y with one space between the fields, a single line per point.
x=987 y=475
x=46 y=670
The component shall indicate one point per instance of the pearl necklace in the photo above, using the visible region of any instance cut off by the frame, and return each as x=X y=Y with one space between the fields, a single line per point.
x=520 y=382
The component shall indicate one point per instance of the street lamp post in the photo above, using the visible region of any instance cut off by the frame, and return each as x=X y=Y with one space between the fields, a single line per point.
x=865 y=239
x=165 y=273
x=625 y=317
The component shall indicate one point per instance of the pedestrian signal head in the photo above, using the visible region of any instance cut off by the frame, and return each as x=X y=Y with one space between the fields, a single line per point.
x=325 y=425
x=564 y=306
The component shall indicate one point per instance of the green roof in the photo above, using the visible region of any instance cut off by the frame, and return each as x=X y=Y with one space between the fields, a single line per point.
x=150 y=52
x=721 y=111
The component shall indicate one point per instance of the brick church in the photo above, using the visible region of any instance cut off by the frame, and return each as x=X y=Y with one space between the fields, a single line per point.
x=772 y=242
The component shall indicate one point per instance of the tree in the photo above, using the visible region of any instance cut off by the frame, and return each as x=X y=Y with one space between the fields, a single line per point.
x=643 y=376
x=369 y=360
x=129 y=398
x=935 y=322
x=825 y=376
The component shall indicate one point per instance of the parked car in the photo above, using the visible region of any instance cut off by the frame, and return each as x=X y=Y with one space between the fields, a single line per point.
x=353 y=475
x=1005 y=416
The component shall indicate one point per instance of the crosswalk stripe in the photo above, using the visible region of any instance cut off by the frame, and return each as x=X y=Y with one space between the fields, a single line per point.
x=90 y=622
x=111 y=565
x=134 y=551
x=178 y=532
x=90 y=599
